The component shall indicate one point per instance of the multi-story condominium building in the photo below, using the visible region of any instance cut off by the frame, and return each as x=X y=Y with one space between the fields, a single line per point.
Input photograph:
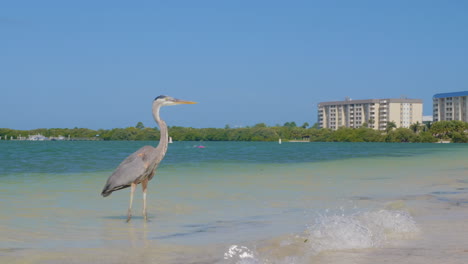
x=375 y=112
x=450 y=106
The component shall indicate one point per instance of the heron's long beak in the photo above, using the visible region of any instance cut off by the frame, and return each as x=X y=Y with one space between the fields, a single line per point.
x=178 y=101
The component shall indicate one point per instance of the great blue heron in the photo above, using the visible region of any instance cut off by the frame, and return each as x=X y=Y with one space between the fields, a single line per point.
x=141 y=165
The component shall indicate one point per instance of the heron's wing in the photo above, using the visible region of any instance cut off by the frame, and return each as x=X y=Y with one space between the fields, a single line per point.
x=132 y=168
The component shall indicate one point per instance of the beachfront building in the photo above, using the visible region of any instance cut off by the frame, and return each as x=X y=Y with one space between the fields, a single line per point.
x=450 y=106
x=376 y=113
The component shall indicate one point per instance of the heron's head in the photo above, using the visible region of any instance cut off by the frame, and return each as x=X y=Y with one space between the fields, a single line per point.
x=167 y=100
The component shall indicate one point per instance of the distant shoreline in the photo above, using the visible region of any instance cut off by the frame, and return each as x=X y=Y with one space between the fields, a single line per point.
x=442 y=131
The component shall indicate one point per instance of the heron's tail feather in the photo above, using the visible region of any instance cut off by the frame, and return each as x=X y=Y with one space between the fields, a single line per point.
x=109 y=189
x=106 y=193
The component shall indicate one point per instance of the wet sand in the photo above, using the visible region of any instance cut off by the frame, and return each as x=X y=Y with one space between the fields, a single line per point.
x=442 y=238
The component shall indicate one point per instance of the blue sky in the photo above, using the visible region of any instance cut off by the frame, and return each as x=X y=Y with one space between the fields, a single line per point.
x=99 y=64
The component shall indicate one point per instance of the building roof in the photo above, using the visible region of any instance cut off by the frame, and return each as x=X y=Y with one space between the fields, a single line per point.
x=454 y=94
x=367 y=101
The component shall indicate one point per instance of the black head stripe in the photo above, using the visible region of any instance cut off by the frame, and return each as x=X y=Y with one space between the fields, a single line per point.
x=160 y=97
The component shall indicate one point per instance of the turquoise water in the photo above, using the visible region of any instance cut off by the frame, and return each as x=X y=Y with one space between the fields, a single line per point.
x=229 y=193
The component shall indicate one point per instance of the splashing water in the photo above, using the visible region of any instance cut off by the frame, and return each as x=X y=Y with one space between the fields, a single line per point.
x=240 y=255
x=334 y=233
x=359 y=231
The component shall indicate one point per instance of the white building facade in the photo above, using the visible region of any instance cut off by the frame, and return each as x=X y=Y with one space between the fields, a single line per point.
x=376 y=113
x=450 y=106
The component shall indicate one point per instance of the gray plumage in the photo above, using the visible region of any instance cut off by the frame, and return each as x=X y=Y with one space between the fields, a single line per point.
x=131 y=169
x=139 y=167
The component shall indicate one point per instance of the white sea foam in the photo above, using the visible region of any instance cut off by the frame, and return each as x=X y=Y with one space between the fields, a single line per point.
x=332 y=232
x=240 y=255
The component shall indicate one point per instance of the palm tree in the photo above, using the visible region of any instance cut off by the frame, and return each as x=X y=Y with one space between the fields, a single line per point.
x=416 y=127
x=390 y=125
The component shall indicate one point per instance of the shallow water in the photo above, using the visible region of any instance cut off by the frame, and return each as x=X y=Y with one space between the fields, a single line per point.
x=234 y=202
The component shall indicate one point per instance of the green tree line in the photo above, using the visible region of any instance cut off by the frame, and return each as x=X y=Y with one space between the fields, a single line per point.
x=454 y=131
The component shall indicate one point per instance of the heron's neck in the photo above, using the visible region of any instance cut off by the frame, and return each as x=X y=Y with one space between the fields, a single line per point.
x=164 y=139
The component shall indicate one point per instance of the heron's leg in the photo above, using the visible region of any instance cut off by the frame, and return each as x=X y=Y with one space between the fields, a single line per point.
x=132 y=190
x=144 y=185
